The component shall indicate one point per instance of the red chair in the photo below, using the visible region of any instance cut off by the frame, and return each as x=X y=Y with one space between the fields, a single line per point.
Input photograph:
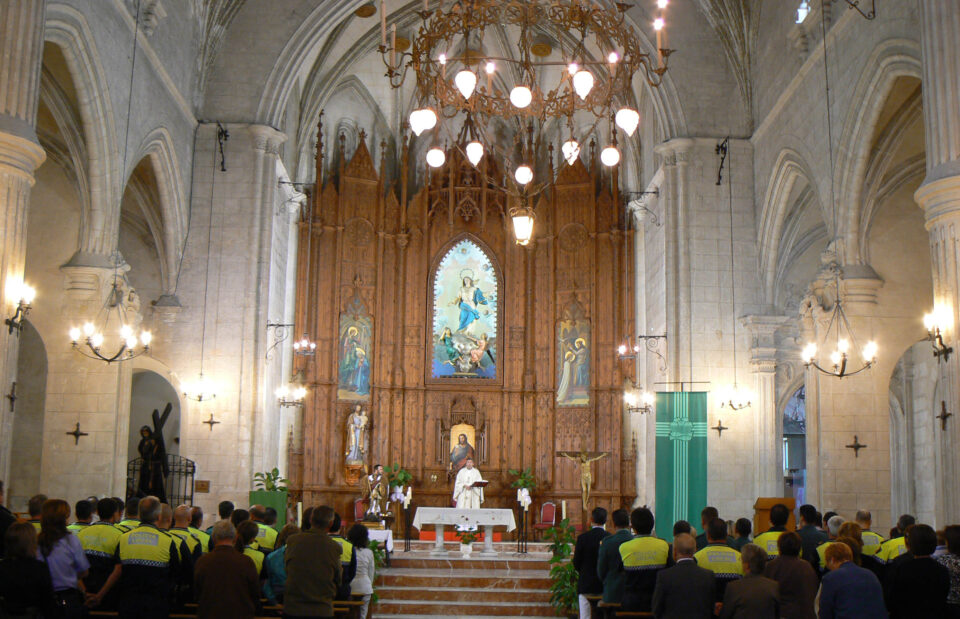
x=548 y=517
x=359 y=510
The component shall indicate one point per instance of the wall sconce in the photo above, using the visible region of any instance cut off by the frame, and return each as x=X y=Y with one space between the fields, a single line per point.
x=291 y=395
x=935 y=323
x=639 y=401
x=24 y=295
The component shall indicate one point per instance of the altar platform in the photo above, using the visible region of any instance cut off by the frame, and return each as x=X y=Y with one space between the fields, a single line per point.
x=418 y=584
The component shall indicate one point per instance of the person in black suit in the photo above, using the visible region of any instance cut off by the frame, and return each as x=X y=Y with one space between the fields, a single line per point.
x=918 y=586
x=686 y=590
x=585 y=555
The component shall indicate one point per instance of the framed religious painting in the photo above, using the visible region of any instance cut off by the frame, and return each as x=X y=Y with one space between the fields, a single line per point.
x=465 y=315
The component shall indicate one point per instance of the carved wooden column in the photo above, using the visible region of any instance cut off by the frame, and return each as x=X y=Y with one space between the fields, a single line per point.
x=21 y=53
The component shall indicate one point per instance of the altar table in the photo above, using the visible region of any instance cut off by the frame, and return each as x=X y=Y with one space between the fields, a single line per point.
x=440 y=517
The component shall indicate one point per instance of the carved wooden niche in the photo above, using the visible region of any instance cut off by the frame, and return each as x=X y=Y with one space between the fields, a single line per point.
x=462 y=414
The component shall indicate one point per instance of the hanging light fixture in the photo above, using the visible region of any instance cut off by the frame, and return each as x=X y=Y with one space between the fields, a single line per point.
x=522 y=217
x=936 y=324
x=305 y=347
x=90 y=340
x=521 y=97
x=466 y=81
x=523 y=174
x=838 y=328
x=24 y=296
x=735 y=397
x=571 y=151
x=474 y=152
x=202 y=389
x=628 y=120
x=436 y=157
x=610 y=156
x=422 y=120
x=583 y=83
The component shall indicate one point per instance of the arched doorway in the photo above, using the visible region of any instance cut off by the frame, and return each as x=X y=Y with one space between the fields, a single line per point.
x=795 y=446
x=150 y=391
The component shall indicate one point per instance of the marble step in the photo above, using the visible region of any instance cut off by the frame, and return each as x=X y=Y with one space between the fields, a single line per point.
x=477 y=578
x=393 y=608
x=463 y=594
x=456 y=562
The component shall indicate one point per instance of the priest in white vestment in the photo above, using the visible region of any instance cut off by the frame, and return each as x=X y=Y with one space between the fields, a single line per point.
x=466 y=497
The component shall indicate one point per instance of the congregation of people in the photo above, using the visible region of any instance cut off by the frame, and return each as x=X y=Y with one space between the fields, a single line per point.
x=144 y=559
x=829 y=567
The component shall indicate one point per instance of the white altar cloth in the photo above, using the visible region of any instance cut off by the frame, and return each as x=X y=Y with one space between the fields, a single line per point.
x=440 y=517
x=384 y=536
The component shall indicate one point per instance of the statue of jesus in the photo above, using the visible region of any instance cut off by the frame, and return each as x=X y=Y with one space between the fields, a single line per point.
x=584 y=458
x=465 y=496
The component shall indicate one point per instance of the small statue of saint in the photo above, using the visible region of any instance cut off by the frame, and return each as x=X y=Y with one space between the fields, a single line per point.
x=374 y=488
x=357 y=436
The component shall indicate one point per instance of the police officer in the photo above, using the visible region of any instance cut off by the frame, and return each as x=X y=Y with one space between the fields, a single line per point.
x=149 y=566
x=348 y=558
x=84 y=511
x=100 y=541
x=130 y=516
x=266 y=536
x=643 y=557
x=896 y=546
x=196 y=519
x=721 y=559
x=779 y=515
x=872 y=541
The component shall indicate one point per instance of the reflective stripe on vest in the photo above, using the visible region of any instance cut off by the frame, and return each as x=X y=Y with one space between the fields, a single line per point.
x=722 y=560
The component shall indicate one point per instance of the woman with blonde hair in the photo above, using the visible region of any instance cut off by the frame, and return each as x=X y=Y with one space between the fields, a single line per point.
x=63 y=554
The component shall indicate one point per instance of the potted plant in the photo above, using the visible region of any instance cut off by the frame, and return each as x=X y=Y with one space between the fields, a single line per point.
x=467 y=538
x=563 y=575
x=397 y=477
x=270 y=490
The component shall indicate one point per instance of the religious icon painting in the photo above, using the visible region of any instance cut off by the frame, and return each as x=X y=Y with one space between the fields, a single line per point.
x=465 y=307
x=573 y=363
x=463 y=437
x=355 y=334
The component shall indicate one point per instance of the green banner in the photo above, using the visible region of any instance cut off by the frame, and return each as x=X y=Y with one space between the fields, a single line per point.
x=681 y=460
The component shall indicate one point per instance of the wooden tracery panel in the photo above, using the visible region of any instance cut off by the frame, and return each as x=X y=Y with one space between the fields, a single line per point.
x=375 y=243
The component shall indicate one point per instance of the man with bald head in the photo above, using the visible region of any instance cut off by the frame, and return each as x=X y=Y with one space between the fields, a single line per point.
x=181 y=529
x=189 y=547
x=685 y=590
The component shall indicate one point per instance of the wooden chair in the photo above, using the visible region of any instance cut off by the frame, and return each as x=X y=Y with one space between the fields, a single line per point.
x=548 y=517
x=359 y=510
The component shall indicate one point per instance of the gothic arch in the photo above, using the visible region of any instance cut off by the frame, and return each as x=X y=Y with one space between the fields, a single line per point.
x=68 y=29
x=157 y=146
x=890 y=59
x=789 y=169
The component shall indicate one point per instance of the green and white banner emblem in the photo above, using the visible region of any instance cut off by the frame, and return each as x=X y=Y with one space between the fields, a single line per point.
x=681 y=459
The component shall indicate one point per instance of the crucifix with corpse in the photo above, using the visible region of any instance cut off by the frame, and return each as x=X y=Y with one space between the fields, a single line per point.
x=584 y=458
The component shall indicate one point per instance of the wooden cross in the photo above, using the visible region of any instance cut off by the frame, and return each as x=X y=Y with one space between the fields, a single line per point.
x=943 y=416
x=856 y=446
x=76 y=434
x=211 y=422
x=12 y=396
x=719 y=428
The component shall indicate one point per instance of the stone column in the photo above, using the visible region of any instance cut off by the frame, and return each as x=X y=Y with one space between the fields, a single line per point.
x=21 y=52
x=939 y=197
x=768 y=457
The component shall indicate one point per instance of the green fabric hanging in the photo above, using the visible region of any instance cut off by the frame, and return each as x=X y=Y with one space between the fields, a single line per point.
x=681 y=459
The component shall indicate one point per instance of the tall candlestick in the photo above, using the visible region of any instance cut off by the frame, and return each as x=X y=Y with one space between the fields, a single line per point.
x=300 y=514
x=383 y=23
x=563 y=510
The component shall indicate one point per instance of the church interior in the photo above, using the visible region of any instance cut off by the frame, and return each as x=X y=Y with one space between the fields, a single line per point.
x=664 y=253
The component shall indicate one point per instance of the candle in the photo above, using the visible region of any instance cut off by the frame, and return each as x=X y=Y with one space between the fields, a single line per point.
x=393 y=44
x=383 y=23
x=426 y=8
x=563 y=510
x=660 y=46
x=300 y=514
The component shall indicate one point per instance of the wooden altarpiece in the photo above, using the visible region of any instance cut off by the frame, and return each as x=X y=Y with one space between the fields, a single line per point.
x=371 y=246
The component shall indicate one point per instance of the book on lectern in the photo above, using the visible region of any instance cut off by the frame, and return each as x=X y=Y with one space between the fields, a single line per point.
x=479 y=484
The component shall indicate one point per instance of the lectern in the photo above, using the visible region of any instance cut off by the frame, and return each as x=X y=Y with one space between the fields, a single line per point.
x=761 y=514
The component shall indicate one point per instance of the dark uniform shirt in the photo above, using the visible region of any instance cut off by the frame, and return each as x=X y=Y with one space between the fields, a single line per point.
x=642 y=557
x=100 y=543
x=150 y=564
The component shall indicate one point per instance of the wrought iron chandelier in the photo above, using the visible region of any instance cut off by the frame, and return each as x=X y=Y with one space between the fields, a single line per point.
x=838 y=327
x=90 y=339
x=598 y=57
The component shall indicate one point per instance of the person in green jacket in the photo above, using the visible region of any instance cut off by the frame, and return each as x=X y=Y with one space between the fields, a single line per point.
x=609 y=563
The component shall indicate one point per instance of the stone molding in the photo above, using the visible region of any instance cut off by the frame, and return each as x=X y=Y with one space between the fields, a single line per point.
x=19 y=156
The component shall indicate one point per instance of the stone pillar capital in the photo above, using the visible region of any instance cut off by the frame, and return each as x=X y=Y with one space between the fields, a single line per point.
x=267 y=138
x=20 y=156
x=940 y=200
